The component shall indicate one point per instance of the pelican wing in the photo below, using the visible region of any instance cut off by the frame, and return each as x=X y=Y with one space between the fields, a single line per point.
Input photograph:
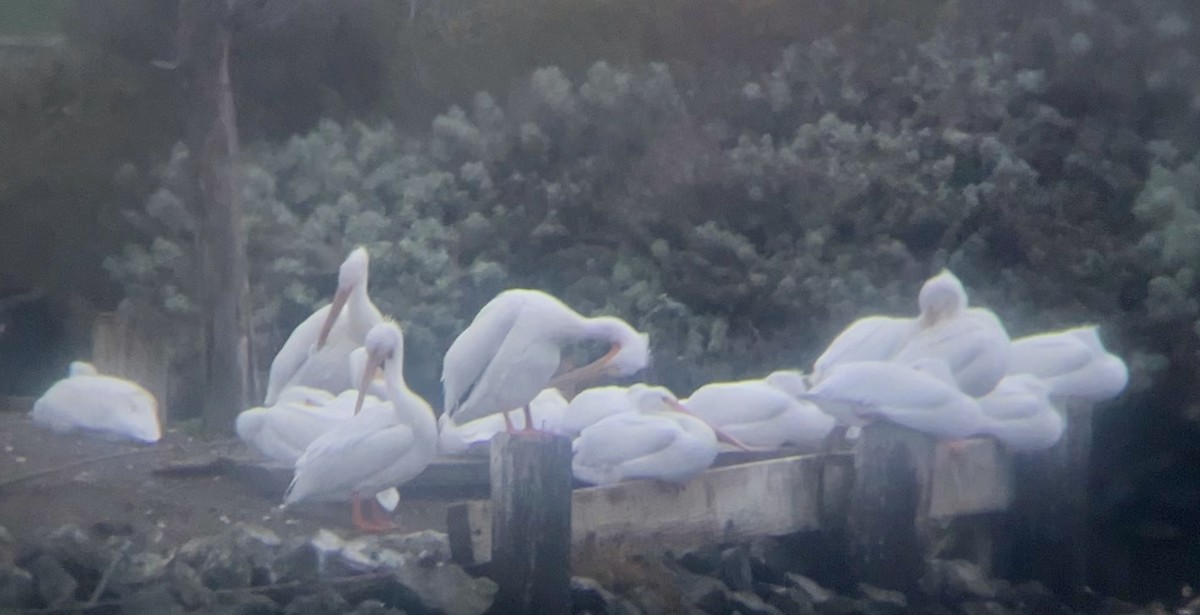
x=294 y=353
x=522 y=365
x=1048 y=354
x=100 y=403
x=622 y=438
x=476 y=347
x=733 y=403
x=346 y=458
x=873 y=338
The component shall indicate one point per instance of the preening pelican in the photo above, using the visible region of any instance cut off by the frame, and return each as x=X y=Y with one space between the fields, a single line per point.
x=972 y=342
x=513 y=347
x=547 y=409
x=593 y=405
x=382 y=446
x=921 y=396
x=1072 y=362
x=661 y=441
x=874 y=338
x=1018 y=413
x=316 y=352
x=87 y=401
x=759 y=414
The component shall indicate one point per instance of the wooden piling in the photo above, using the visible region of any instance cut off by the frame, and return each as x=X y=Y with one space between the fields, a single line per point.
x=887 y=522
x=531 y=523
x=1048 y=523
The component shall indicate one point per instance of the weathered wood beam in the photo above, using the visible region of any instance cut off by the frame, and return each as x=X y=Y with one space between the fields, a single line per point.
x=531 y=523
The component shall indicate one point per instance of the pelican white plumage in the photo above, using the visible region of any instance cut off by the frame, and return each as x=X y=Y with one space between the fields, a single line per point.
x=760 y=414
x=547 y=409
x=661 y=440
x=593 y=405
x=972 y=342
x=1072 y=362
x=513 y=347
x=921 y=396
x=88 y=401
x=1018 y=412
x=384 y=445
x=874 y=338
x=316 y=352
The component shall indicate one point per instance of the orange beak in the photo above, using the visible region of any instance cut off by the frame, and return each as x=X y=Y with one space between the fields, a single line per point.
x=374 y=362
x=721 y=435
x=335 y=308
x=592 y=371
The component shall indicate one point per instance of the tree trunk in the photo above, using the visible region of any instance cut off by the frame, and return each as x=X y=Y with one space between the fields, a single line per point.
x=204 y=40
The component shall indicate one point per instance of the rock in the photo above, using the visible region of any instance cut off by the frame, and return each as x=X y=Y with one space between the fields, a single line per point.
x=427 y=545
x=841 y=605
x=771 y=559
x=136 y=570
x=239 y=557
x=705 y=593
x=16 y=587
x=1033 y=597
x=734 y=569
x=811 y=588
x=299 y=560
x=444 y=587
x=789 y=600
x=984 y=608
x=5 y=536
x=646 y=601
x=245 y=603
x=956 y=580
x=374 y=607
x=748 y=603
x=701 y=560
x=324 y=601
x=587 y=596
x=188 y=586
x=885 y=598
x=154 y=600
x=1116 y=606
x=55 y=585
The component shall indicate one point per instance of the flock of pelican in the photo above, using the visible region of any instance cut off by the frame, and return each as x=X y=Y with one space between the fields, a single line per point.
x=338 y=408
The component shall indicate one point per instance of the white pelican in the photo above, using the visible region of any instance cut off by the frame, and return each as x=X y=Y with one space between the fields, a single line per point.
x=315 y=353
x=592 y=405
x=1018 y=413
x=972 y=342
x=760 y=414
x=921 y=396
x=513 y=347
x=382 y=446
x=660 y=441
x=1072 y=362
x=874 y=338
x=547 y=409
x=88 y=401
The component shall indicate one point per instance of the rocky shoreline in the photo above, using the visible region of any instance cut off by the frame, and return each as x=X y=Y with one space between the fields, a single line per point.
x=251 y=570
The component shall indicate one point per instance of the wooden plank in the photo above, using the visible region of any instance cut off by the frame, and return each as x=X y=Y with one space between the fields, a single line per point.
x=772 y=497
x=1049 y=522
x=531 y=523
x=974 y=478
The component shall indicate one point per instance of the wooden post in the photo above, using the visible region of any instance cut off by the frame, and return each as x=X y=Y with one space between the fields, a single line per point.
x=125 y=351
x=1049 y=523
x=204 y=42
x=887 y=522
x=531 y=523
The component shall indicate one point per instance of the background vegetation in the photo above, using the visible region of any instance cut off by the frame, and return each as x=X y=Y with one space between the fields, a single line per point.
x=741 y=178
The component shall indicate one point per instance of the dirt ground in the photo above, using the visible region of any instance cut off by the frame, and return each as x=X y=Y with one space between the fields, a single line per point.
x=49 y=480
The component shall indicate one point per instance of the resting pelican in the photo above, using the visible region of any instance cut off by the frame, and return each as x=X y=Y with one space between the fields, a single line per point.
x=972 y=342
x=1072 y=362
x=315 y=353
x=759 y=413
x=661 y=441
x=921 y=396
x=874 y=338
x=1018 y=413
x=593 y=405
x=513 y=347
x=88 y=401
x=547 y=409
x=382 y=446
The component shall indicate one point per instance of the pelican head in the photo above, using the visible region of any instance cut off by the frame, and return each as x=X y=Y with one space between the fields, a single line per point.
x=941 y=297
x=628 y=354
x=655 y=399
x=384 y=343
x=352 y=274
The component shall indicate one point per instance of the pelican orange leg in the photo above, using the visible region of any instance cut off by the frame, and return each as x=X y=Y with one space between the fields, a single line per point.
x=361 y=521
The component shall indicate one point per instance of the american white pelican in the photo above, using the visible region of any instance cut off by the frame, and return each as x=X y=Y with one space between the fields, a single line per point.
x=593 y=405
x=921 y=396
x=87 y=401
x=547 y=409
x=1018 y=413
x=316 y=352
x=1072 y=362
x=972 y=342
x=760 y=414
x=660 y=441
x=382 y=446
x=513 y=347
x=874 y=338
